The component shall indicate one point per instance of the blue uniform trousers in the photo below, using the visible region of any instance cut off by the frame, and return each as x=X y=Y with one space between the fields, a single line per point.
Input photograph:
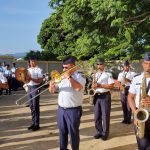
x=102 y=109
x=34 y=104
x=144 y=143
x=68 y=123
x=125 y=107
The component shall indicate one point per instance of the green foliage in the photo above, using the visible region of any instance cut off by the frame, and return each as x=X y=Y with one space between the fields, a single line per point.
x=41 y=55
x=87 y=29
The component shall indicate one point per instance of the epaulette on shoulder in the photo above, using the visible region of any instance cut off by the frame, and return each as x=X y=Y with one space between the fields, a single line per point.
x=137 y=74
x=81 y=73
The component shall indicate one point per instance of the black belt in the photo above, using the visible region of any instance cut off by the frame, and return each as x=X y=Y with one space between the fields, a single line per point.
x=71 y=107
x=33 y=86
x=104 y=93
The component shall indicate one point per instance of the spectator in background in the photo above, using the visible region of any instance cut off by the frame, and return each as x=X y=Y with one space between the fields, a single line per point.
x=3 y=82
x=13 y=69
x=8 y=75
x=3 y=65
x=14 y=82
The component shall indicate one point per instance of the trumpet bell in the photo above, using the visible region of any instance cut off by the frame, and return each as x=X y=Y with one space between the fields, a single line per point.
x=55 y=76
x=21 y=74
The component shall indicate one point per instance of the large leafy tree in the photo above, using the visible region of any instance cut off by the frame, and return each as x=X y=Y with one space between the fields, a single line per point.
x=114 y=29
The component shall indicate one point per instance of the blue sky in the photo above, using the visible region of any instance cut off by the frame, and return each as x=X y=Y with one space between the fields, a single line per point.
x=20 y=23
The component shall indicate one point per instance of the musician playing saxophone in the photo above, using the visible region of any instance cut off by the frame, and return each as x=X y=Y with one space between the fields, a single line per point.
x=102 y=100
x=125 y=77
x=136 y=100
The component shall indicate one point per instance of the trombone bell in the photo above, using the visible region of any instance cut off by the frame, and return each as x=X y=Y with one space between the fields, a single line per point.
x=55 y=76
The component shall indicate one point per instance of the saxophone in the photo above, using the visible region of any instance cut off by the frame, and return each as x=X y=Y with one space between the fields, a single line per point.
x=141 y=114
x=91 y=92
x=123 y=84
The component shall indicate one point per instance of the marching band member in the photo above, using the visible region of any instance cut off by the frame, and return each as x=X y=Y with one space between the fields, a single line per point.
x=102 y=100
x=3 y=82
x=125 y=77
x=135 y=99
x=70 y=98
x=34 y=77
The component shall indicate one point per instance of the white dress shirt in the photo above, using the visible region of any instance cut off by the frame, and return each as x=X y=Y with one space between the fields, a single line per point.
x=68 y=97
x=135 y=88
x=35 y=73
x=103 y=78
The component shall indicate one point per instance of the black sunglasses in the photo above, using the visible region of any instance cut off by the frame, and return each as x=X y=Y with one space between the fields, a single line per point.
x=65 y=67
x=99 y=64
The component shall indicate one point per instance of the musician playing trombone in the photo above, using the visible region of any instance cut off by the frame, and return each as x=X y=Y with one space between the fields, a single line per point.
x=34 y=77
x=71 y=89
x=136 y=101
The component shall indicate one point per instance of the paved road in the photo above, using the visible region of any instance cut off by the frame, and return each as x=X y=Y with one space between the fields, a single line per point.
x=15 y=119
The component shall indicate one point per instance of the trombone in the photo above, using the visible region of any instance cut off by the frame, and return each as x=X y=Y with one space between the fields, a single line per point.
x=55 y=76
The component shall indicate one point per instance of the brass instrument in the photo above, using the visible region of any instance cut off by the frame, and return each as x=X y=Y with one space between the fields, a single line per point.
x=92 y=91
x=21 y=74
x=123 y=84
x=4 y=85
x=141 y=114
x=55 y=77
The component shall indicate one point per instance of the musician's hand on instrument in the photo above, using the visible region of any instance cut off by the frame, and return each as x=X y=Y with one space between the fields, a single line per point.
x=135 y=122
x=52 y=87
x=66 y=75
x=28 y=77
x=94 y=85
x=145 y=101
x=69 y=72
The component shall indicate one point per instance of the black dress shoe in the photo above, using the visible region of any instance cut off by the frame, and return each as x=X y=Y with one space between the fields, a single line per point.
x=31 y=127
x=104 y=137
x=128 y=122
x=35 y=128
x=97 y=136
x=124 y=121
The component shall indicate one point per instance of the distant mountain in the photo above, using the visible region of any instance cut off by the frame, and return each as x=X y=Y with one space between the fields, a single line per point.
x=17 y=55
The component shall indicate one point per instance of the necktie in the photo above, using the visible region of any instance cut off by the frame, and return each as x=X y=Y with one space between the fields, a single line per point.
x=148 y=87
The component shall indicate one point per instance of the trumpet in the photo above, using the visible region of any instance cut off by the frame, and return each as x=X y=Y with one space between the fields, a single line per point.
x=55 y=76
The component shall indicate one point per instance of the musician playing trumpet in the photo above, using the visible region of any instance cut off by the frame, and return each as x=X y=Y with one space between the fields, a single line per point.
x=137 y=100
x=70 y=97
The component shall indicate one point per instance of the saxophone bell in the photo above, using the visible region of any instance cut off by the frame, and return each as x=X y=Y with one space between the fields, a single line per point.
x=91 y=92
x=141 y=116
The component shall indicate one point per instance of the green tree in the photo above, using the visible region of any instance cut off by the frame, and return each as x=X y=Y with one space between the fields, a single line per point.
x=41 y=55
x=114 y=29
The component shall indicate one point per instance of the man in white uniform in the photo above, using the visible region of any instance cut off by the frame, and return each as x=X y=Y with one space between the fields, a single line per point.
x=70 y=98
x=102 y=100
x=125 y=77
x=35 y=77
x=136 y=100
